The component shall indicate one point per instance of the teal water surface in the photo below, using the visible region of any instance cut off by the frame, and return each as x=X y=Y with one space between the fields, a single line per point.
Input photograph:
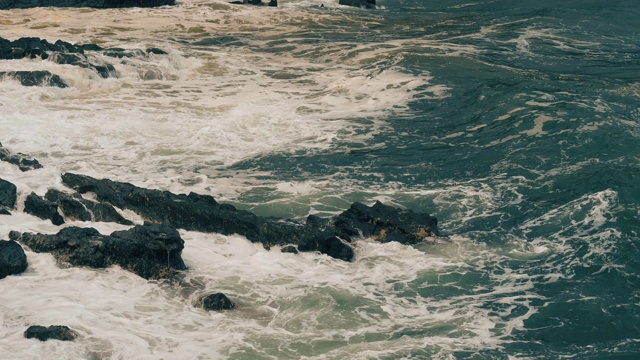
x=532 y=155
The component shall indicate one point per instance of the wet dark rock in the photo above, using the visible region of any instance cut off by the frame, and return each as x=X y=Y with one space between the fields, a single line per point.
x=151 y=251
x=55 y=332
x=367 y=4
x=43 y=208
x=289 y=249
x=24 y=162
x=385 y=223
x=74 y=207
x=4 y=212
x=60 y=52
x=8 y=194
x=35 y=78
x=32 y=47
x=12 y=259
x=217 y=302
x=200 y=213
x=103 y=4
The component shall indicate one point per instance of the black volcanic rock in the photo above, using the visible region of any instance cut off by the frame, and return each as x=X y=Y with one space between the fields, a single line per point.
x=103 y=4
x=12 y=259
x=24 y=162
x=60 y=52
x=43 y=208
x=151 y=251
x=202 y=213
x=35 y=78
x=74 y=207
x=385 y=223
x=56 y=332
x=218 y=301
x=367 y=4
x=8 y=194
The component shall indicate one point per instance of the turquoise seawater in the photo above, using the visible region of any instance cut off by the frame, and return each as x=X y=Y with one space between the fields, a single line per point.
x=532 y=154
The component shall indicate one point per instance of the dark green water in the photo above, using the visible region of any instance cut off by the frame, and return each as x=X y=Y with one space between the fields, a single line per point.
x=533 y=155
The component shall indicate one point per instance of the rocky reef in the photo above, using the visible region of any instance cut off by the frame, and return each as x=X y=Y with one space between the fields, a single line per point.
x=64 y=53
x=151 y=251
x=203 y=213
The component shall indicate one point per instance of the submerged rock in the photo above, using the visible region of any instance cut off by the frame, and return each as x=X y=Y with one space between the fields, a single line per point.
x=56 y=332
x=12 y=259
x=24 y=162
x=35 y=78
x=151 y=251
x=217 y=302
x=103 y=4
x=8 y=194
x=367 y=4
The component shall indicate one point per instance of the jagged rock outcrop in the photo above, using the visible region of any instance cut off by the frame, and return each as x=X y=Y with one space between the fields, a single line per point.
x=55 y=332
x=216 y=302
x=74 y=207
x=24 y=4
x=367 y=4
x=56 y=203
x=43 y=208
x=35 y=78
x=385 y=223
x=12 y=259
x=60 y=52
x=24 y=162
x=151 y=251
x=202 y=213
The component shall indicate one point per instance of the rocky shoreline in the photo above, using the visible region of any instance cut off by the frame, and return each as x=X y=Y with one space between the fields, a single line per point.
x=153 y=250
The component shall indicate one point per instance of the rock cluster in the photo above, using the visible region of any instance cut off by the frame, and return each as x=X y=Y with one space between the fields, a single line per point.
x=24 y=162
x=151 y=250
x=61 y=52
x=202 y=213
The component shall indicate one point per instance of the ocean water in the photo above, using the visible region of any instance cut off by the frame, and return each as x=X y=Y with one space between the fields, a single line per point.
x=515 y=123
